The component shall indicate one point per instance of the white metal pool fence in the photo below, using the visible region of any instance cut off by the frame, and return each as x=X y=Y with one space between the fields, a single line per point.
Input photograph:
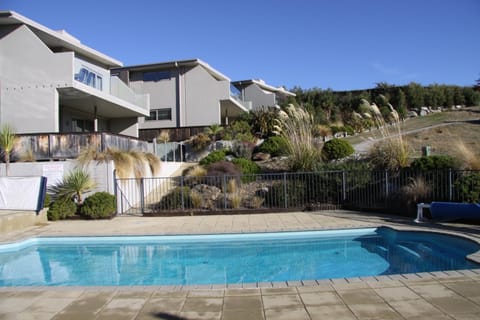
x=361 y=190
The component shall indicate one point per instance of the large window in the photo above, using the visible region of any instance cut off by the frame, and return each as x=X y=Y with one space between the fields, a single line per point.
x=156 y=75
x=89 y=78
x=160 y=114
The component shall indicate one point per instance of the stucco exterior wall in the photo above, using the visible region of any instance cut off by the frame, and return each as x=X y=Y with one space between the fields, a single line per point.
x=201 y=95
x=162 y=95
x=258 y=97
x=30 y=74
x=125 y=126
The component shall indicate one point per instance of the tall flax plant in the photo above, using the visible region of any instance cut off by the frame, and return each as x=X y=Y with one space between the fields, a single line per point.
x=7 y=142
x=392 y=151
x=73 y=186
x=297 y=127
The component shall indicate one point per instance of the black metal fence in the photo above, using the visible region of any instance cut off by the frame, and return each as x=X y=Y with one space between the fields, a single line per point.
x=386 y=191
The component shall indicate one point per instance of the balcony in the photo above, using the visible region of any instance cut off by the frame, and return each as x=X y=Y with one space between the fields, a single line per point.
x=94 y=89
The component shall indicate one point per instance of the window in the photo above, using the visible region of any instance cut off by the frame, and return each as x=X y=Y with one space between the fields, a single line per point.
x=89 y=78
x=156 y=75
x=160 y=114
x=81 y=125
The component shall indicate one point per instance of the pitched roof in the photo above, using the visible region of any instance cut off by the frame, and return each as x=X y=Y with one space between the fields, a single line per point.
x=60 y=38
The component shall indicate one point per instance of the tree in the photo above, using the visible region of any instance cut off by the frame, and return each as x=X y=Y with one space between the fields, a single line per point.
x=213 y=132
x=415 y=95
x=7 y=142
x=73 y=186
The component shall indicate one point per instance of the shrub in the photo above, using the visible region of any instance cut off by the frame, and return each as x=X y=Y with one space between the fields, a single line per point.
x=213 y=157
x=468 y=188
x=200 y=142
x=217 y=170
x=349 y=130
x=434 y=163
x=246 y=166
x=222 y=168
x=296 y=126
x=336 y=149
x=239 y=130
x=47 y=200
x=243 y=149
x=389 y=154
x=100 y=205
x=275 y=146
x=173 y=200
x=61 y=209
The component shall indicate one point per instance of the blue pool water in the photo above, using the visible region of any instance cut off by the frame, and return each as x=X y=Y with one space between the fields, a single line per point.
x=225 y=259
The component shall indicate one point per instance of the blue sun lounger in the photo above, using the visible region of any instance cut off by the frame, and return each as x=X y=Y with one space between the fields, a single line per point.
x=448 y=211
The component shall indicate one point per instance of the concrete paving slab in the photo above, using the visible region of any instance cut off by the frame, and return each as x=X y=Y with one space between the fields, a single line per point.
x=371 y=311
x=287 y=314
x=320 y=298
x=337 y=312
x=282 y=301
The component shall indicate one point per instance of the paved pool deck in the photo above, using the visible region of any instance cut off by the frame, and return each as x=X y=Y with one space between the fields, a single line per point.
x=437 y=295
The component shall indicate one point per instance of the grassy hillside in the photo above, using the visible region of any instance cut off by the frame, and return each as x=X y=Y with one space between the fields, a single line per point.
x=441 y=131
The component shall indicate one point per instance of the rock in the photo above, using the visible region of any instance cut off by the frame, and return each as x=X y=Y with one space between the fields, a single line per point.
x=261 y=156
x=208 y=194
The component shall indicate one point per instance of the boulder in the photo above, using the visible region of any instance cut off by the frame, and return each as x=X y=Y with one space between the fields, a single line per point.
x=261 y=156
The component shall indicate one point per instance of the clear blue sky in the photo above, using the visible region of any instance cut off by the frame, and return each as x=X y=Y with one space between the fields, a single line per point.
x=338 y=44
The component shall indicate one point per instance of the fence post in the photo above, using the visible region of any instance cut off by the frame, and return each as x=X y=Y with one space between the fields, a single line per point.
x=142 y=196
x=182 y=192
x=344 y=186
x=386 y=187
x=115 y=193
x=285 y=189
x=224 y=187
x=450 y=185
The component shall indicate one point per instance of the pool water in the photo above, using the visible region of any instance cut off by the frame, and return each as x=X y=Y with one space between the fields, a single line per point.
x=228 y=259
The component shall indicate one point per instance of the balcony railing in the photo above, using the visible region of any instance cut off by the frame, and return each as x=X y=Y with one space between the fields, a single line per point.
x=119 y=89
x=52 y=146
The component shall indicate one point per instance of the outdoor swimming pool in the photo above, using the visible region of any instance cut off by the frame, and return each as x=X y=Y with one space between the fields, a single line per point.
x=229 y=258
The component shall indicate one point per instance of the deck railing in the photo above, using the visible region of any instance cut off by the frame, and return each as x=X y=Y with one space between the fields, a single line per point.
x=53 y=146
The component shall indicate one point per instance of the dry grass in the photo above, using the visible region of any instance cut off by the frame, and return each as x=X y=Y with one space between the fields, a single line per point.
x=416 y=191
x=392 y=151
x=296 y=126
x=236 y=200
x=232 y=186
x=197 y=200
x=155 y=164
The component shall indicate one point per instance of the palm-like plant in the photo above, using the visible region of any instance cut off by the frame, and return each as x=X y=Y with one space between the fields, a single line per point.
x=73 y=186
x=7 y=142
x=213 y=132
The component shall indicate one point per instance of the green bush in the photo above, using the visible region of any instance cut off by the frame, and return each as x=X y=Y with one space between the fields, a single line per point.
x=336 y=149
x=61 y=209
x=100 y=205
x=246 y=166
x=275 y=146
x=349 y=130
x=434 y=163
x=468 y=188
x=212 y=157
x=47 y=200
x=248 y=169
